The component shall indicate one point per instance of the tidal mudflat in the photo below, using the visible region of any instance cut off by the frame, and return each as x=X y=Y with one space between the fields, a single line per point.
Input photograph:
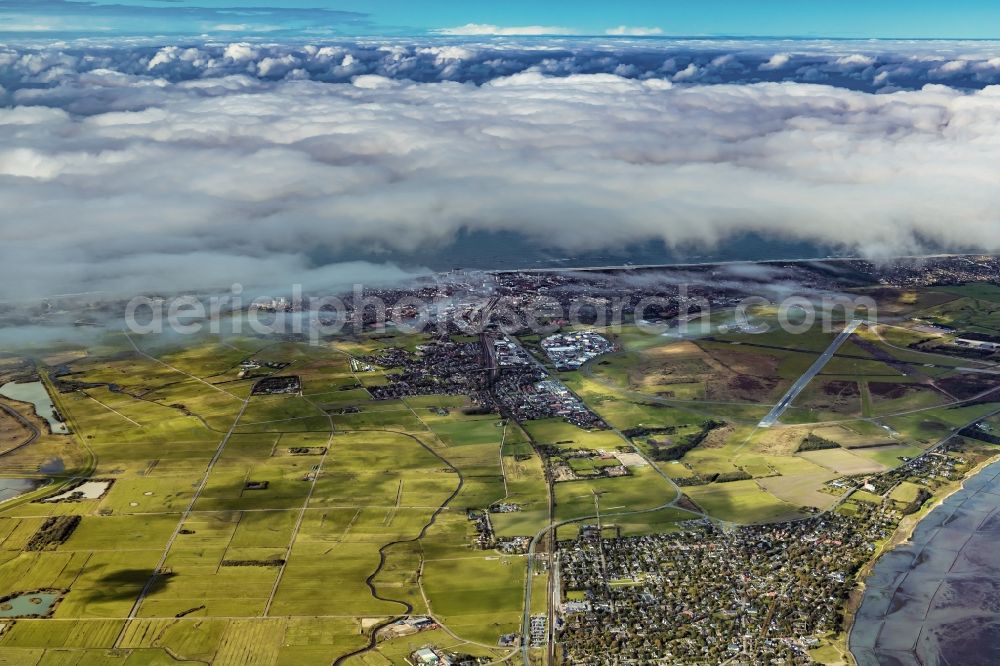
x=935 y=599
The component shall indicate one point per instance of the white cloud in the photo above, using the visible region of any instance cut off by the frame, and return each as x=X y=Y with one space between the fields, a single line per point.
x=27 y=27
x=444 y=53
x=485 y=29
x=162 y=57
x=777 y=61
x=952 y=67
x=273 y=67
x=634 y=31
x=687 y=73
x=199 y=173
x=856 y=60
x=240 y=52
x=373 y=82
x=244 y=27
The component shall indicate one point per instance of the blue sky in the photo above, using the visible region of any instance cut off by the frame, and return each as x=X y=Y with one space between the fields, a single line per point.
x=807 y=18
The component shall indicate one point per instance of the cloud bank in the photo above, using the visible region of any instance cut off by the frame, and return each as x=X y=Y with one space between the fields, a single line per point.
x=197 y=166
x=486 y=54
x=634 y=31
x=480 y=29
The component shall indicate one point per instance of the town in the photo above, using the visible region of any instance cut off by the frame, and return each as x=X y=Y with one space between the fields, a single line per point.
x=489 y=491
x=760 y=594
x=752 y=595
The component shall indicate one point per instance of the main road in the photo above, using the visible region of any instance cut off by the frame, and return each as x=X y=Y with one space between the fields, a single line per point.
x=551 y=530
x=33 y=431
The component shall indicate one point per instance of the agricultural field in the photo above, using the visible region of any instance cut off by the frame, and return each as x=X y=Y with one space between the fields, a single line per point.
x=741 y=502
x=843 y=462
x=14 y=432
x=285 y=529
x=191 y=517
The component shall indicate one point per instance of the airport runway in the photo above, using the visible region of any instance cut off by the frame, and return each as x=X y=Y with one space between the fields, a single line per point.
x=803 y=381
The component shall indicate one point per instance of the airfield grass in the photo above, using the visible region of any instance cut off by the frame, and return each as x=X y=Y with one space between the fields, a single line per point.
x=833 y=398
x=855 y=434
x=727 y=370
x=979 y=291
x=969 y=313
x=899 y=343
x=928 y=427
x=915 y=397
x=624 y=409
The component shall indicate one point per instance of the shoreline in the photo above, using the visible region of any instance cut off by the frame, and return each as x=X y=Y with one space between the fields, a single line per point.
x=707 y=264
x=901 y=535
x=35 y=484
x=34 y=411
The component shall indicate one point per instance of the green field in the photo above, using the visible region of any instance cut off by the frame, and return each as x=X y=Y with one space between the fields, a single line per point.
x=741 y=502
x=257 y=529
x=264 y=536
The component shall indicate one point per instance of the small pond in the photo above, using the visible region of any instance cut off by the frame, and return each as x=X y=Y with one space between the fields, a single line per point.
x=31 y=603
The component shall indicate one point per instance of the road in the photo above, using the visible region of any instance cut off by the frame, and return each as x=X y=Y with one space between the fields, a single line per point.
x=776 y=413
x=939 y=356
x=33 y=431
x=803 y=381
x=553 y=526
x=317 y=470
x=158 y=569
